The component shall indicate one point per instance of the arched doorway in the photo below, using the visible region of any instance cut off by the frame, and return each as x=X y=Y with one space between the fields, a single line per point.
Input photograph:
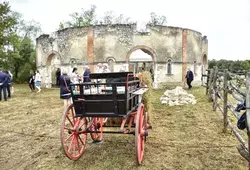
x=53 y=62
x=141 y=58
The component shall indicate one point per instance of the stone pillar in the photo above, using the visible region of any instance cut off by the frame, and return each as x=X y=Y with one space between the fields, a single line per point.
x=184 y=56
x=90 y=47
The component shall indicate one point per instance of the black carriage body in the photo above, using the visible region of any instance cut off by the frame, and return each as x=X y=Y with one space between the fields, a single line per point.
x=109 y=99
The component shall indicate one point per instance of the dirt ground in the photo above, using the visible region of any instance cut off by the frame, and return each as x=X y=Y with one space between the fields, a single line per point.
x=183 y=137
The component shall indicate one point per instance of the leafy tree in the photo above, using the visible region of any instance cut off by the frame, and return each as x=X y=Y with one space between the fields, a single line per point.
x=111 y=18
x=17 y=49
x=7 y=23
x=232 y=66
x=245 y=65
x=108 y=18
x=83 y=18
x=157 y=19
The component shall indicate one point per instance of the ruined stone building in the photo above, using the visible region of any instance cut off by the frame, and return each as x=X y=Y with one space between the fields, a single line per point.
x=172 y=51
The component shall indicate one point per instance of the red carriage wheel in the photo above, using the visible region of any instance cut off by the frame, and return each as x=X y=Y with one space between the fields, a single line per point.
x=97 y=125
x=73 y=136
x=139 y=132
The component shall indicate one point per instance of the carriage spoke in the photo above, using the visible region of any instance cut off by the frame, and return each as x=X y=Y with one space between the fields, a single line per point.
x=69 y=121
x=72 y=112
x=78 y=146
x=68 y=129
x=81 y=140
x=83 y=124
x=70 y=145
x=69 y=137
x=74 y=145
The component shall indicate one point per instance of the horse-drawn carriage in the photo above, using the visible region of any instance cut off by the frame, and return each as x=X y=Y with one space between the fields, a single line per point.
x=119 y=97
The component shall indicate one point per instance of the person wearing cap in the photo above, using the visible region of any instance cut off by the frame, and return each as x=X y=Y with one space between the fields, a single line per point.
x=3 y=84
x=190 y=78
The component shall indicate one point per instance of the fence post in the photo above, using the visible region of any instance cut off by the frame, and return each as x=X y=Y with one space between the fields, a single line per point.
x=208 y=77
x=215 y=88
x=225 y=93
x=210 y=84
x=248 y=111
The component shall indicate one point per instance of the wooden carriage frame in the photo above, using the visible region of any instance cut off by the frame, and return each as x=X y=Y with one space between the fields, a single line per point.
x=89 y=109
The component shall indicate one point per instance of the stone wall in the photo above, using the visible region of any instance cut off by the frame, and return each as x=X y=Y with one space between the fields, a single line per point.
x=75 y=47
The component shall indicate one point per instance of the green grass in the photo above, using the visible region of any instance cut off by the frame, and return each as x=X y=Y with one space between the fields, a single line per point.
x=183 y=137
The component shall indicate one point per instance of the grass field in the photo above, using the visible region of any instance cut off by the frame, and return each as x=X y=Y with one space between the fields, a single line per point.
x=183 y=137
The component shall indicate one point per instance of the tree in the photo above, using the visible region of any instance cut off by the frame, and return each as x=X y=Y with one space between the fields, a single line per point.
x=111 y=18
x=245 y=65
x=108 y=18
x=7 y=23
x=17 y=52
x=157 y=20
x=79 y=19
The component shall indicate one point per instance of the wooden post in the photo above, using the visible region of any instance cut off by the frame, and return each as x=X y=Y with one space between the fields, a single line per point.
x=248 y=111
x=225 y=93
x=210 y=84
x=207 y=86
x=215 y=103
x=202 y=74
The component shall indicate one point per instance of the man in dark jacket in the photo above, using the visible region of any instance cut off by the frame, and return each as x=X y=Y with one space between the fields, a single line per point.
x=8 y=83
x=190 y=78
x=3 y=84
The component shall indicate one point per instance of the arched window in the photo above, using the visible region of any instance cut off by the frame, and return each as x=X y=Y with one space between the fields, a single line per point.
x=195 y=67
x=111 y=62
x=169 y=66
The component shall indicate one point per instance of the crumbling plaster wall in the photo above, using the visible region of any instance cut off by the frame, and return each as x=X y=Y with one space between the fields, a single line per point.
x=116 y=41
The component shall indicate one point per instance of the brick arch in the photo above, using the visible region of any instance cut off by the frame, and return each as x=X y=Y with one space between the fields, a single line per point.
x=145 y=49
x=50 y=55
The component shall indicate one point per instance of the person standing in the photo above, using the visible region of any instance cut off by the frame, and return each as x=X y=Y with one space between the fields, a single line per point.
x=190 y=78
x=86 y=74
x=74 y=76
x=8 y=83
x=3 y=84
x=58 y=74
x=99 y=69
x=106 y=68
x=32 y=82
x=65 y=89
x=11 y=82
x=38 y=80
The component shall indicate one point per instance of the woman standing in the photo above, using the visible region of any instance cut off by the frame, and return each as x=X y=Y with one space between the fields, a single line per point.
x=38 y=80
x=64 y=89
x=31 y=82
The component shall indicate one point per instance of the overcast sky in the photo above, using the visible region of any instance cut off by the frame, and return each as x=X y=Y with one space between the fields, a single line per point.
x=225 y=22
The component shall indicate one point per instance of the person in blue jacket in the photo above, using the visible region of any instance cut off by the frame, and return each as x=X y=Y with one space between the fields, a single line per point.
x=3 y=84
x=65 y=89
x=8 y=84
x=190 y=78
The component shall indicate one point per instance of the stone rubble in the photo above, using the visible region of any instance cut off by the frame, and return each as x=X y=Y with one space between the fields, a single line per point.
x=177 y=96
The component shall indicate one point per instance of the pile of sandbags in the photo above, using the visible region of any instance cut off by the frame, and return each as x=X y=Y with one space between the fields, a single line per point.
x=177 y=96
